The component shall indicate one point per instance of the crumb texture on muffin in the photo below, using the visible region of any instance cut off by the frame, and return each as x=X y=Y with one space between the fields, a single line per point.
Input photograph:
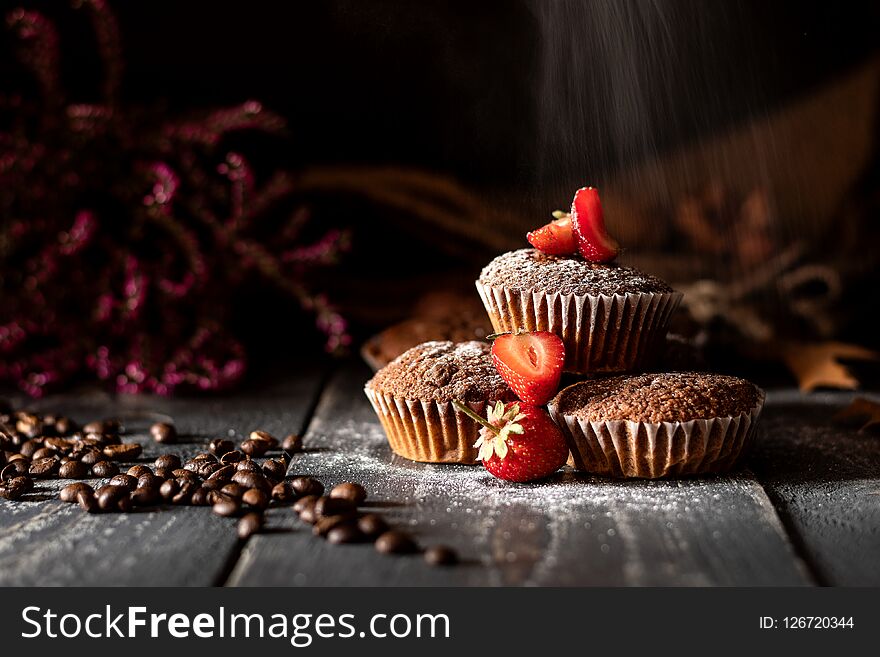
x=677 y=397
x=529 y=269
x=443 y=371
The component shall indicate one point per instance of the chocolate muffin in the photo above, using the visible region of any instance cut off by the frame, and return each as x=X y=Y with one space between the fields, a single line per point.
x=658 y=425
x=413 y=397
x=610 y=317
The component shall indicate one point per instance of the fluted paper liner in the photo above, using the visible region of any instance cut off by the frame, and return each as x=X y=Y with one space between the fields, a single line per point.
x=601 y=333
x=625 y=448
x=427 y=431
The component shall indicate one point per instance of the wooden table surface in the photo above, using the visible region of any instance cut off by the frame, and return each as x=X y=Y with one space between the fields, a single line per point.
x=805 y=509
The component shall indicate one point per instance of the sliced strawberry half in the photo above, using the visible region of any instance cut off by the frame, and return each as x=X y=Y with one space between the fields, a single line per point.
x=555 y=238
x=530 y=363
x=588 y=223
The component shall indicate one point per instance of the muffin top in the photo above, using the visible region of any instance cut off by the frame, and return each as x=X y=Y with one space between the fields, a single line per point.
x=531 y=270
x=658 y=397
x=443 y=371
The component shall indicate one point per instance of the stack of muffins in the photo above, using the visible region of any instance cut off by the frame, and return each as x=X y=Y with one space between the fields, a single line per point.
x=613 y=321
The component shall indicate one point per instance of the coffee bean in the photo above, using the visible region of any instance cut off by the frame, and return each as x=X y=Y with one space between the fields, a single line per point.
x=180 y=473
x=145 y=496
x=232 y=457
x=59 y=444
x=164 y=433
x=91 y=456
x=351 y=491
x=395 y=542
x=163 y=473
x=29 y=448
x=274 y=470
x=372 y=525
x=73 y=470
x=256 y=498
x=234 y=490
x=254 y=447
x=148 y=480
x=307 y=486
x=252 y=480
x=344 y=533
x=265 y=436
x=292 y=444
x=168 y=462
x=138 y=470
x=105 y=469
x=204 y=467
x=305 y=507
x=64 y=425
x=184 y=495
x=440 y=555
x=108 y=496
x=227 y=507
x=22 y=481
x=45 y=467
x=69 y=492
x=327 y=523
x=283 y=493
x=169 y=489
x=223 y=473
x=124 y=504
x=247 y=465
x=331 y=506
x=122 y=451
x=200 y=496
x=124 y=480
x=87 y=501
x=11 y=490
x=95 y=426
x=15 y=468
x=249 y=524
x=220 y=446
x=214 y=484
x=44 y=453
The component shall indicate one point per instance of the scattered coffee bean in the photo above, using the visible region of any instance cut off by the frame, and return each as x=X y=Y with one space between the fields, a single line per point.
x=256 y=498
x=274 y=469
x=91 y=456
x=223 y=473
x=440 y=555
x=249 y=524
x=282 y=492
x=292 y=444
x=94 y=427
x=200 y=496
x=29 y=448
x=138 y=470
x=227 y=507
x=180 y=473
x=331 y=506
x=232 y=457
x=108 y=496
x=327 y=523
x=122 y=451
x=11 y=489
x=124 y=480
x=169 y=489
x=305 y=507
x=252 y=480
x=345 y=533
x=145 y=496
x=234 y=490
x=163 y=473
x=307 y=486
x=64 y=425
x=124 y=504
x=214 y=484
x=22 y=481
x=44 y=453
x=148 y=479
x=73 y=470
x=184 y=495
x=105 y=469
x=168 y=462
x=14 y=468
x=69 y=492
x=372 y=525
x=87 y=501
x=254 y=447
x=164 y=433
x=220 y=446
x=45 y=467
x=247 y=465
x=270 y=440
x=349 y=491
x=395 y=542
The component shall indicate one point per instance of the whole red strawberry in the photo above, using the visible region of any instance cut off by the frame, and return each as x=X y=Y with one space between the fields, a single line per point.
x=519 y=443
x=530 y=363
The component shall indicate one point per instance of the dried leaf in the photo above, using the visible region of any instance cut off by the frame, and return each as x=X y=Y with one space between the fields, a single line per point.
x=862 y=409
x=816 y=364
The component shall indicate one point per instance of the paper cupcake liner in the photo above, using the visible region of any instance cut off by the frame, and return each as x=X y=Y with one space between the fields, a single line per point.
x=427 y=431
x=624 y=448
x=601 y=333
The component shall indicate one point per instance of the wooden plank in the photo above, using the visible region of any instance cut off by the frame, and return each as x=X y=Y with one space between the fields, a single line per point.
x=569 y=531
x=44 y=542
x=825 y=479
